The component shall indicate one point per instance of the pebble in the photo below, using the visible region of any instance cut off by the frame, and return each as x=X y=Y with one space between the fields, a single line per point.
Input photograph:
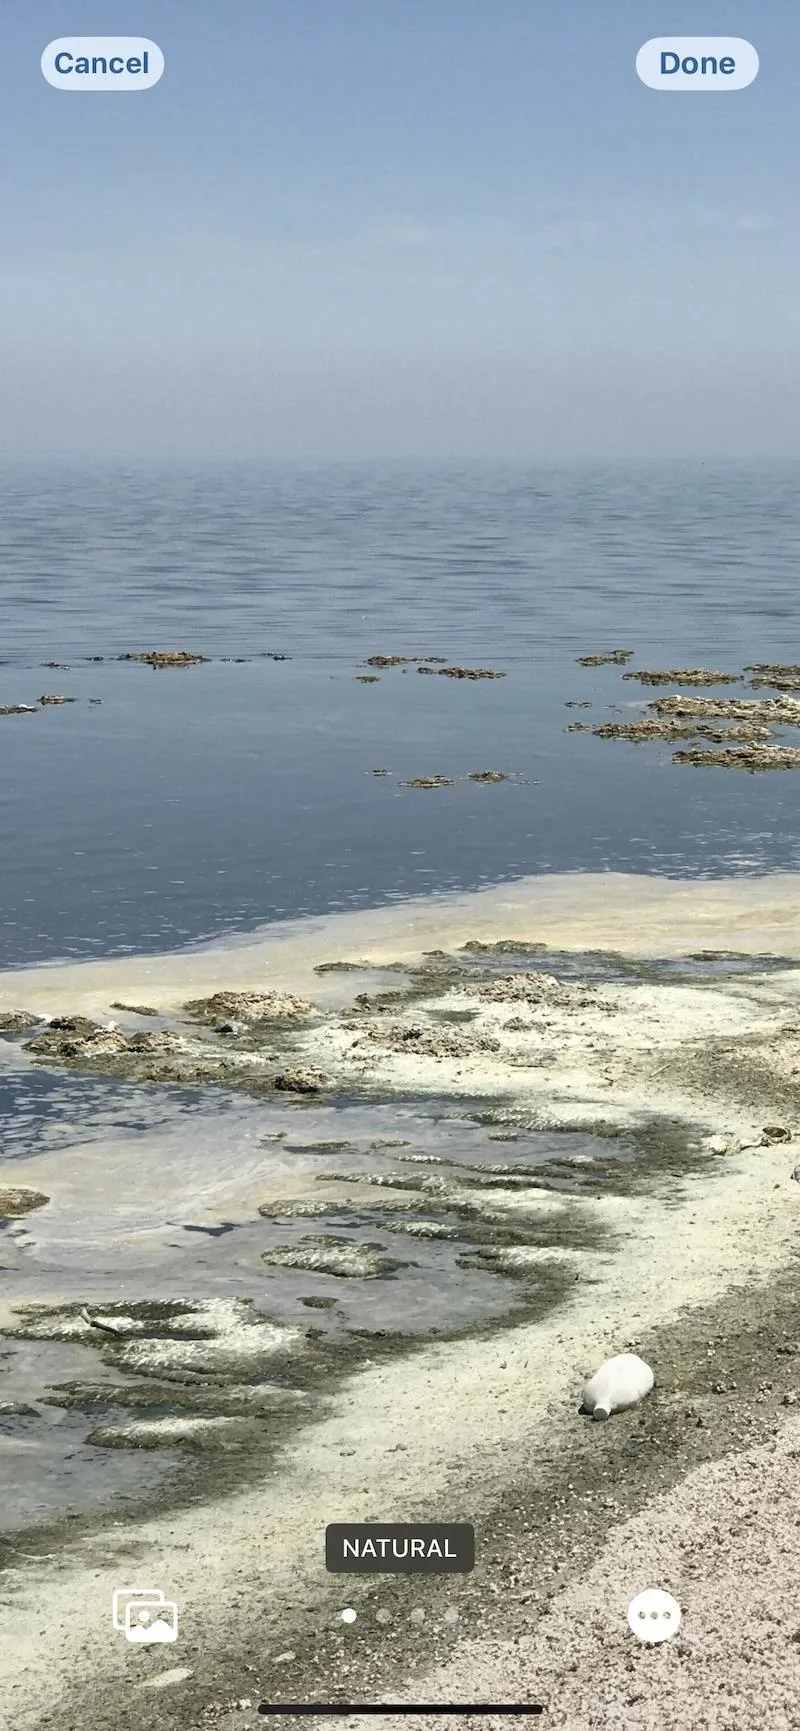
x=165 y=1678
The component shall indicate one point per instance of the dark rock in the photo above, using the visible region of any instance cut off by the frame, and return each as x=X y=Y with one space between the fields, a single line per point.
x=17 y=1021
x=15 y=1200
x=76 y=1037
x=300 y=1082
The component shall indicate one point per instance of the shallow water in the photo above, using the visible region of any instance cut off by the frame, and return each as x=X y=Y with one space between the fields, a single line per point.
x=205 y=800
x=164 y=1206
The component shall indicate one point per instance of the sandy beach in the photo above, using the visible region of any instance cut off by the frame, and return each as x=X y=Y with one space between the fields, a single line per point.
x=679 y=1024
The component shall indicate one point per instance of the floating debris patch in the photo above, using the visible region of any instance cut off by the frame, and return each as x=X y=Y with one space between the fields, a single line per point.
x=463 y=672
x=683 y=676
x=164 y=657
x=611 y=658
x=778 y=681
x=783 y=669
x=774 y=711
x=428 y=781
x=671 y=728
x=752 y=758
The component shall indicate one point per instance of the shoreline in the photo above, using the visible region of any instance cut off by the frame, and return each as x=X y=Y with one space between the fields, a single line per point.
x=632 y=914
x=481 y=1411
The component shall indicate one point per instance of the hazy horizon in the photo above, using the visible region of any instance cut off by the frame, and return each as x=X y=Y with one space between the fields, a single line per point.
x=352 y=232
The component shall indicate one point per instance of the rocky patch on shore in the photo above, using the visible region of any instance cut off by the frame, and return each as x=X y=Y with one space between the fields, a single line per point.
x=249 y=1007
x=539 y=990
x=343 y=1258
x=428 y=1042
x=18 y=1021
x=16 y=1200
x=173 y=1339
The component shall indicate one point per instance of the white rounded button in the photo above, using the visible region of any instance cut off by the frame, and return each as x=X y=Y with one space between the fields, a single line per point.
x=697 y=63
x=654 y=1615
x=102 y=63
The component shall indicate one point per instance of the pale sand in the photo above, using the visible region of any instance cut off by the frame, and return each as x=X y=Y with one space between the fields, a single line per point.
x=726 y=1544
x=463 y=1404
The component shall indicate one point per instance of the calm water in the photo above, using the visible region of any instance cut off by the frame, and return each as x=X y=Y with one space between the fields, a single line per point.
x=192 y=802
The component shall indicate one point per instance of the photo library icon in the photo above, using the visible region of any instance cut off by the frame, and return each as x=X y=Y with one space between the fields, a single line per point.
x=143 y=1615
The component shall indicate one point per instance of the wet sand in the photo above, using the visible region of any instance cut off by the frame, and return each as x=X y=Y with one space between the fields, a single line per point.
x=458 y=1427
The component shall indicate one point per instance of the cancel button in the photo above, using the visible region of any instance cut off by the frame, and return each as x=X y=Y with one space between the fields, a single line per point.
x=378 y=1549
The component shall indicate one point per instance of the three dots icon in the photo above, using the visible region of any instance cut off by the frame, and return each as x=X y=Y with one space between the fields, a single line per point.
x=654 y=1616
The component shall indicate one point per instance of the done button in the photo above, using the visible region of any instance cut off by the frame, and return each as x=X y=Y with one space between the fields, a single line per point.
x=697 y=63
x=102 y=63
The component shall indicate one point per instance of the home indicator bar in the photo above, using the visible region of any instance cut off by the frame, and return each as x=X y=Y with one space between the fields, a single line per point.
x=343 y=1709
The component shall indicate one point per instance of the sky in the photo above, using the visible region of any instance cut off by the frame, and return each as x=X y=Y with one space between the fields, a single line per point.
x=450 y=228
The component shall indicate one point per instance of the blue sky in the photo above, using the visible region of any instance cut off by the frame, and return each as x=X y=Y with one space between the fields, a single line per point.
x=450 y=227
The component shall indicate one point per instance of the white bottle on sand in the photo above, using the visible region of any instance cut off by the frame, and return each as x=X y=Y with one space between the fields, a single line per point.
x=619 y=1383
